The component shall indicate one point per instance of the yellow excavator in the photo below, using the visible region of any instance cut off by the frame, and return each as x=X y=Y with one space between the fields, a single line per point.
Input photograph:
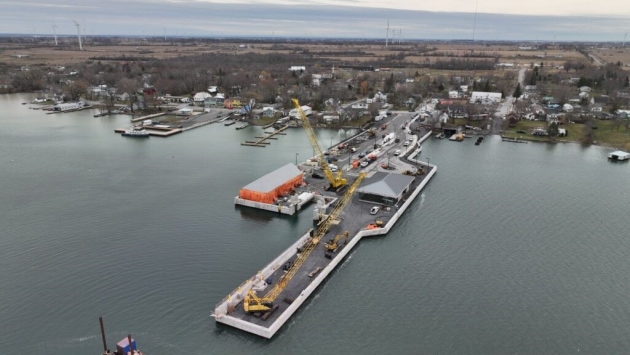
x=333 y=244
x=252 y=303
x=337 y=181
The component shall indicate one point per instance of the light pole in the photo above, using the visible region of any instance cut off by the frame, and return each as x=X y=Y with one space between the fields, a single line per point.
x=296 y=155
x=428 y=160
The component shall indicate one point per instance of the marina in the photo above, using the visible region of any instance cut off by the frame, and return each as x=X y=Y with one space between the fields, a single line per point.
x=444 y=253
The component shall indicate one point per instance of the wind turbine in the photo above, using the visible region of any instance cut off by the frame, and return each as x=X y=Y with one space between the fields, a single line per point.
x=387 y=35
x=79 y=34
x=54 y=27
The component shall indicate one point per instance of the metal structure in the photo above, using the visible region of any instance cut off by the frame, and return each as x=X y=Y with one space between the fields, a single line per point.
x=79 y=34
x=337 y=181
x=252 y=303
x=332 y=244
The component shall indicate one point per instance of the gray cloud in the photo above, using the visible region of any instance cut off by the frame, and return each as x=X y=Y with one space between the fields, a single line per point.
x=137 y=17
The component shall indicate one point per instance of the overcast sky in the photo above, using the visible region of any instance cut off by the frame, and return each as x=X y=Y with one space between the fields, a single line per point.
x=548 y=20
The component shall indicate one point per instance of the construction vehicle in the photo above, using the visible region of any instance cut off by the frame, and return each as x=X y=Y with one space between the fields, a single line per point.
x=333 y=244
x=337 y=181
x=252 y=303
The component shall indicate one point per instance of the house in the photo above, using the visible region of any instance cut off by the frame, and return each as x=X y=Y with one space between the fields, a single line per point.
x=330 y=118
x=232 y=103
x=602 y=99
x=463 y=88
x=505 y=65
x=482 y=97
x=200 y=97
x=585 y=89
x=297 y=68
x=562 y=132
x=212 y=89
x=409 y=80
x=512 y=118
x=268 y=111
x=149 y=90
x=379 y=96
x=185 y=111
x=362 y=105
x=567 y=108
x=453 y=94
x=306 y=109
x=583 y=95
x=530 y=88
x=214 y=101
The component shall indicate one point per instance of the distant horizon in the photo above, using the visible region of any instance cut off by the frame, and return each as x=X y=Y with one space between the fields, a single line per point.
x=220 y=20
x=283 y=39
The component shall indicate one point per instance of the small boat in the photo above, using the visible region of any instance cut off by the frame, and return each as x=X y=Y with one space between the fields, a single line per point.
x=126 y=346
x=229 y=123
x=457 y=137
x=136 y=132
x=479 y=140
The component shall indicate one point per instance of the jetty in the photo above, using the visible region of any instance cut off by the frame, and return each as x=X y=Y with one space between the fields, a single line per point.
x=513 y=140
x=262 y=141
x=266 y=301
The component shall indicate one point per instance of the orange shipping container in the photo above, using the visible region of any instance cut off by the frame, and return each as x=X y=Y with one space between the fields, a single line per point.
x=273 y=185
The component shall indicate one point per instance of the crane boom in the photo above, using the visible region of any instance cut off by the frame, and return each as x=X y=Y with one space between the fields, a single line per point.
x=336 y=180
x=253 y=303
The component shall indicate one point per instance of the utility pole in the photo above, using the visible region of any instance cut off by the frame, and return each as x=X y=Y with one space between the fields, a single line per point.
x=387 y=35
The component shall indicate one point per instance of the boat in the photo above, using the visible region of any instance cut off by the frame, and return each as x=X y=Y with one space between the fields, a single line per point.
x=457 y=137
x=619 y=156
x=479 y=140
x=440 y=136
x=126 y=346
x=136 y=132
x=229 y=123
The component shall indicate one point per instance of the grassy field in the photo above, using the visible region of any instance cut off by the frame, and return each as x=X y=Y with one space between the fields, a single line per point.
x=67 y=52
x=605 y=134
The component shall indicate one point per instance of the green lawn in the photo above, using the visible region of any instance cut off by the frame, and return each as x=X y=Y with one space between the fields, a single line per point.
x=605 y=134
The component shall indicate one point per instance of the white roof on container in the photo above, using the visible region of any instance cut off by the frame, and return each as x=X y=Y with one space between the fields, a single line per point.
x=274 y=179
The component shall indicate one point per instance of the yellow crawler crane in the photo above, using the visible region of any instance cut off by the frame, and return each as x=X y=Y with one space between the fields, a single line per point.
x=252 y=303
x=332 y=244
x=337 y=181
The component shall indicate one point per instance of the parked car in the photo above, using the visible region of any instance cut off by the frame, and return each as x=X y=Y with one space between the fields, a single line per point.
x=361 y=155
x=374 y=210
x=397 y=152
x=407 y=143
x=365 y=163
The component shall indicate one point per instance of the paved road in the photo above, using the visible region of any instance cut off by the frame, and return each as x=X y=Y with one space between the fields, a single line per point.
x=505 y=107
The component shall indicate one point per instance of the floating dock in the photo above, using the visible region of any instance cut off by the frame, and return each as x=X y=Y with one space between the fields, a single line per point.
x=156 y=131
x=261 y=142
x=398 y=191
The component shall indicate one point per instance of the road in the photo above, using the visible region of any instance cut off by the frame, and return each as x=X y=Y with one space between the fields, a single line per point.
x=505 y=107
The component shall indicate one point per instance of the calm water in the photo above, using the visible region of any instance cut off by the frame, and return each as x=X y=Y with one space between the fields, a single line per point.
x=512 y=248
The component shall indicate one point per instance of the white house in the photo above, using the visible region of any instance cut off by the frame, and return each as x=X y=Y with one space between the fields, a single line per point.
x=212 y=89
x=307 y=111
x=268 y=111
x=360 y=105
x=583 y=95
x=463 y=88
x=453 y=94
x=409 y=80
x=379 y=96
x=485 y=97
x=200 y=97
x=330 y=118
x=297 y=68
x=585 y=89
x=567 y=108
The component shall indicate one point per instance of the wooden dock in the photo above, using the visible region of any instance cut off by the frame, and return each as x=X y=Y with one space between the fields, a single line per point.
x=513 y=140
x=262 y=140
x=148 y=117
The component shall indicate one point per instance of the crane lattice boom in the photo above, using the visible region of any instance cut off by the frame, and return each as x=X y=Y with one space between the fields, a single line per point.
x=254 y=303
x=336 y=180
